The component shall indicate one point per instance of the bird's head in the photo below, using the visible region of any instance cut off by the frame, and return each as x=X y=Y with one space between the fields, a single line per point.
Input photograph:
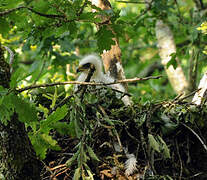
x=90 y=62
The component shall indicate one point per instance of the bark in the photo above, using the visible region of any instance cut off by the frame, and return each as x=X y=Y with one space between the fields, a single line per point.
x=200 y=96
x=111 y=58
x=166 y=48
x=17 y=156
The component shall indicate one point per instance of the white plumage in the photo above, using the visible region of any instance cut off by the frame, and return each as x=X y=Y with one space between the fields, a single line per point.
x=98 y=75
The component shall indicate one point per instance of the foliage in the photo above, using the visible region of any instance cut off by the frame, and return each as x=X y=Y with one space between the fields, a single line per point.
x=99 y=124
x=47 y=38
x=10 y=103
x=203 y=28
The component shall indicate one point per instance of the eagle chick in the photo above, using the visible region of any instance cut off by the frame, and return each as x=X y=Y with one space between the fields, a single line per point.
x=98 y=76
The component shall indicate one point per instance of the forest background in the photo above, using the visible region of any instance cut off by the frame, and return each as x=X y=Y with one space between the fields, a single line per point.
x=42 y=41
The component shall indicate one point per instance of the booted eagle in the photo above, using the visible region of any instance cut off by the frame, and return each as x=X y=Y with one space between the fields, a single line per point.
x=98 y=76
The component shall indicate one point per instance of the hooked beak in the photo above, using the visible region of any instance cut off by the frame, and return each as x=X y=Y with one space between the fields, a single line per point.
x=80 y=69
x=84 y=67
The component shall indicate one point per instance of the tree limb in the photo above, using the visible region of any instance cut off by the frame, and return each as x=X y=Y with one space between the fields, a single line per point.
x=87 y=83
x=32 y=10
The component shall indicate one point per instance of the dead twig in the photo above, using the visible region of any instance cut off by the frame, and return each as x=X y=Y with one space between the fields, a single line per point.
x=180 y=160
x=189 y=95
x=87 y=83
x=201 y=141
x=134 y=2
x=32 y=10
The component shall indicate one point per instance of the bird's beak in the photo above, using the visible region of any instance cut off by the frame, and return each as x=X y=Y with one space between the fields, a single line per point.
x=83 y=67
x=80 y=69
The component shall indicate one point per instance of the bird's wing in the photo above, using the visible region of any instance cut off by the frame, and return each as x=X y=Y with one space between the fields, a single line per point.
x=81 y=78
x=108 y=79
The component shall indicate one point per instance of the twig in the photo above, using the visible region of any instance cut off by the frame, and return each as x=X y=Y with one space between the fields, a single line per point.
x=64 y=101
x=57 y=167
x=148 y=7
x=47 y=168
x=187 y=96
x=195 y=175
x=181 y=164
x=116 y=133
x=86 y=83
x=64 y=170
x=32 y=10
x=135 y=2
x=204 y=145
x=177 y=97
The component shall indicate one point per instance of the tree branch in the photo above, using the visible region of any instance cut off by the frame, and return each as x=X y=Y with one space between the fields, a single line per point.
x=87 y=83
x=32 y=10
x=201 y=141
x=135 y=2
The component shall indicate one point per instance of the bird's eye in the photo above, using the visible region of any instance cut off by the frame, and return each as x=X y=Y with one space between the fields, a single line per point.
x=87 y=65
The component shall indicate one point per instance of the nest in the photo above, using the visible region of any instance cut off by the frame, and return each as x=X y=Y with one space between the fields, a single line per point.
x=107 y=140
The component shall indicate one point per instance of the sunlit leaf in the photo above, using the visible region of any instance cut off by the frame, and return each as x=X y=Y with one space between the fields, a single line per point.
x=104 y=39
x=166 y=151
x=77 y=174
x=92 y=154
x=153 y=143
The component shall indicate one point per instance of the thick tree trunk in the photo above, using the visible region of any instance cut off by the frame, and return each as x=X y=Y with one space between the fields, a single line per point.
x=111 y=58
x=166 y=48
x=17 y=156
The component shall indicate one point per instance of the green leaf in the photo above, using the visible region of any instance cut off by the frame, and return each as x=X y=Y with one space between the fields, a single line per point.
x=5 y=114
x=62 y=127
x=10 y=4
x=88 y=170
x=172 y=61
x=104 y=39
x=74 y=122
x=51 y=143
x=88 y=16
x=71 y=13
x=4 y=27
x=92 y=154
x=16 y=77
x=59 y=114
x=6 y=106
x=26 y=110
x=153 y=143
x=141 y=120
x=166 y=151
x=70 y=161
x=43 y=109
x=42 y=142
x=77 y=174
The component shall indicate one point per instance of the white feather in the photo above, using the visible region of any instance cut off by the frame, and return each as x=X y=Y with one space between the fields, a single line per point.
x=99 y=76
x=130 y=164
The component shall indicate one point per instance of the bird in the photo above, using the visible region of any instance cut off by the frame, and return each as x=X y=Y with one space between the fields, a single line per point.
x=98 y=75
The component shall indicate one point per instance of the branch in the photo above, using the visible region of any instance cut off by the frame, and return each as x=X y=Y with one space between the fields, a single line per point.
x=201 y=141
x=135 y=2
x=148 y=8
x=87 y=83
x=82 y=8
x=32 y=10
